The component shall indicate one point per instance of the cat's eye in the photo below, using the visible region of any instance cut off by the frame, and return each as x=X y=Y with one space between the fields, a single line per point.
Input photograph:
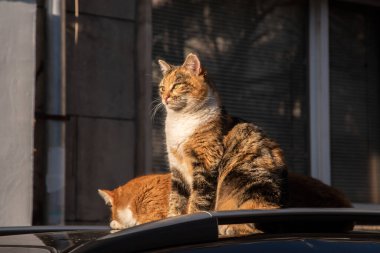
x=162 y=89
x=178 y=85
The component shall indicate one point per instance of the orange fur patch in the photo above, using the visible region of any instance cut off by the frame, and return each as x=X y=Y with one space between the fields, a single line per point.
x=146 y=197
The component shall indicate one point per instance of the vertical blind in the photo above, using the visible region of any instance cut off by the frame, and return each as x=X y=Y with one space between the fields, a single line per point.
x=355 y=114
x=255 y=52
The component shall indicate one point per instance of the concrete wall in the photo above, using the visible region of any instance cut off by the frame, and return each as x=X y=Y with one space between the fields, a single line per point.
x=108 y=99
x=17 y=79
x=102 y=104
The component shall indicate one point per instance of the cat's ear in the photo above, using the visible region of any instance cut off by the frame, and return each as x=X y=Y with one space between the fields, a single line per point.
x=193 y=64
x=165 y=67
x=107 y=196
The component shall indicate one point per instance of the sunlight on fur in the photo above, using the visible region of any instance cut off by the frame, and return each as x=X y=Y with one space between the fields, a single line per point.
x=217 y=162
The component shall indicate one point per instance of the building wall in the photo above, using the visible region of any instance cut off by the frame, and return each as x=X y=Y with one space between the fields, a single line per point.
x=100 y=103
x=17 y=75
x=103 y=104
x=106 y=99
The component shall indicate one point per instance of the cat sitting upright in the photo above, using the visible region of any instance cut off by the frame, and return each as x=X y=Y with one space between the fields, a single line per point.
x=212 y=154
x=144 y=199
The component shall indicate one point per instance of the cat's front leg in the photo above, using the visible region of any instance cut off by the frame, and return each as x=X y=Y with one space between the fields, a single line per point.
x=179 y=195
x=203 y=190
x=205 y=157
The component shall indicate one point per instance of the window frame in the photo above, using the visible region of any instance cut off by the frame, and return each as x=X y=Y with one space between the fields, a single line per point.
x=319 y=88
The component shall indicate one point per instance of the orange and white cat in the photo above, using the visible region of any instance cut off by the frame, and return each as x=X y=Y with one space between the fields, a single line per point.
x=144 y=199
x=140 y=200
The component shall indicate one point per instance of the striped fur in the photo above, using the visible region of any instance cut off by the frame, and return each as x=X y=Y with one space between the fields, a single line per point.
x=255 y=164
x=207 y=147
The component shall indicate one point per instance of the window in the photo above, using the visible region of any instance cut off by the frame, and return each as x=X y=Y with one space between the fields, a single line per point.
x=261 y=56
x=354 y=93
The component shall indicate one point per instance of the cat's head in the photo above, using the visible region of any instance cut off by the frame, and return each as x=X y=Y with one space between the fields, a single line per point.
x=122 y=213
x=185 y=87
x=140 y=200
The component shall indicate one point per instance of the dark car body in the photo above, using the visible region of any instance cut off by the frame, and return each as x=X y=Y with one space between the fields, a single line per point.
x=199 y=233
x=48 y=238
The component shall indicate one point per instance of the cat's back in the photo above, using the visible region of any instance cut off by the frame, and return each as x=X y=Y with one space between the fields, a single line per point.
x=151 y=193
x=151 y=188
x=247 y=143
x=252 y=171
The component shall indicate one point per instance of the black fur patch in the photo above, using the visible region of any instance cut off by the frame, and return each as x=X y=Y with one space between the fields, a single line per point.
x=179 y=185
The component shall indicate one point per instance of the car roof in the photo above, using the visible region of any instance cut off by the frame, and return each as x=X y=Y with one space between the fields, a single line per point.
x=200 y=228
x=200 y=232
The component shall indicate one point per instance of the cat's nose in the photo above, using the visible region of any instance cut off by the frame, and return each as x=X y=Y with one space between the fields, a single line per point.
x=167 y=99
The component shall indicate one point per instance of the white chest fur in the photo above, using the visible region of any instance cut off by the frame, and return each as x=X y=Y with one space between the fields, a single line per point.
x=178 y=128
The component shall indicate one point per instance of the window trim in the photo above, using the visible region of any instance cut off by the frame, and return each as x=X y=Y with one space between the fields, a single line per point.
x=319 y=87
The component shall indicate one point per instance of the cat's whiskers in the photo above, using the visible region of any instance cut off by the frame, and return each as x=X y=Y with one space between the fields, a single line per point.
x=156 y=106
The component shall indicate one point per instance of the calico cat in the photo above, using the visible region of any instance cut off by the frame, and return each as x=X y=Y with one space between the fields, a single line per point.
x=140 y=200
x=205 y=145
x=145 y=199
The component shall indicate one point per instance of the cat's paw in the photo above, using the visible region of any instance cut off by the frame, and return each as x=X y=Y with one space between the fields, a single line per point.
x=115 y=225
x=172 y=215
x=225 y=230
x=237 y=230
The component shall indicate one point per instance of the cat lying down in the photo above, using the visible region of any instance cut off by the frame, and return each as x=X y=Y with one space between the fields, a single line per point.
x=141 y=200
x=145 y=199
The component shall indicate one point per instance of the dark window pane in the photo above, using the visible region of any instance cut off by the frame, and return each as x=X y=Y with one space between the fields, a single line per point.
x=355 y=114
